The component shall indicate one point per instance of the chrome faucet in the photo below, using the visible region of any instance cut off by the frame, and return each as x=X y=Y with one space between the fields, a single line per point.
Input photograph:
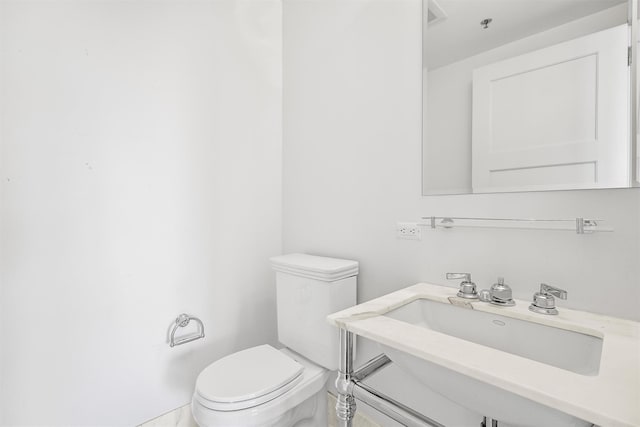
x=544 y=302
x=499 y=294
x=467 y=287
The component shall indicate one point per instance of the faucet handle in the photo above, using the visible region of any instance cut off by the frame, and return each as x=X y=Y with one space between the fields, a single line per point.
x=467 y=287
x=466 y=277
x=550 y=290
x=544 y=301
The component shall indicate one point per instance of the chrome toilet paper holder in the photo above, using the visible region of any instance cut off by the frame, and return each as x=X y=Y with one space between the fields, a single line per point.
x=182 y=321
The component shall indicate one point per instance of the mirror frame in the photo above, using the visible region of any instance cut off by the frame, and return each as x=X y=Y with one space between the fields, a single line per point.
x=632 y=20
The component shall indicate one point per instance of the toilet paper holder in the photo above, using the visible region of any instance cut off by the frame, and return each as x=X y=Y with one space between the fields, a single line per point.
x=182 y=321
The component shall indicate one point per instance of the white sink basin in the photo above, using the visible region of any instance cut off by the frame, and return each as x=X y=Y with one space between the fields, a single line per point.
x=572 y=351
x=519 y=367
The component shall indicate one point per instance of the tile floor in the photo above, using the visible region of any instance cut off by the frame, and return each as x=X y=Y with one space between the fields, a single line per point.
x=181 y=417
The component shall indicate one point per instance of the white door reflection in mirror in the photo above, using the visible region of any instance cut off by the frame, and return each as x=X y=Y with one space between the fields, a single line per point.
x=554 y=119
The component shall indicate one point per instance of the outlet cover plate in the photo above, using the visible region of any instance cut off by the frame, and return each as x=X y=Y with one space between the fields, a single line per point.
x=409 y=231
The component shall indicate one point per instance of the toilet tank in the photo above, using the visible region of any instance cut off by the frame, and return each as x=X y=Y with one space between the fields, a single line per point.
x=309 y=288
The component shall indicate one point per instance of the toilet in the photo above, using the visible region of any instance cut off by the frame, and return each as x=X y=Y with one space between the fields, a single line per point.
x=263 y=386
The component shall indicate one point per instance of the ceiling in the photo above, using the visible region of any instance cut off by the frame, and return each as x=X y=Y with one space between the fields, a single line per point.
x=460 y=34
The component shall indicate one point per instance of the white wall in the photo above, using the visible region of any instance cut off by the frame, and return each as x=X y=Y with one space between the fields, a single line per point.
x=352 y=118
x=141 y=178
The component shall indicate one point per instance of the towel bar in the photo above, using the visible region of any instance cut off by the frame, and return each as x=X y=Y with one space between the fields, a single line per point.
x=182 y=321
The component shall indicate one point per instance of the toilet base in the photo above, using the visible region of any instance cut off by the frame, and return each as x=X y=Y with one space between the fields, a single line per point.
x=310 y=413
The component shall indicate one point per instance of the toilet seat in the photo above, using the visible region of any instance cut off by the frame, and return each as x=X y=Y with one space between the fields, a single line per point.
x=267 y=414
x=240 y=380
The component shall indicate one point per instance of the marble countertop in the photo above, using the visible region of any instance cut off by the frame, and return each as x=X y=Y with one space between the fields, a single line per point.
x=610 y=398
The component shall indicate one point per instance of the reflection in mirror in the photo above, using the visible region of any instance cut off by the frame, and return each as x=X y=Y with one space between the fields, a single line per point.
x=525 y=95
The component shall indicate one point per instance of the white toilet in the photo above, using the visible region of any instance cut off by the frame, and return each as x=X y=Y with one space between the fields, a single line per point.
x=263 y=386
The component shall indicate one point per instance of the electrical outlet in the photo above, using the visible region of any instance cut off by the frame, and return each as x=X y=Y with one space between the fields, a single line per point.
x=408 y=230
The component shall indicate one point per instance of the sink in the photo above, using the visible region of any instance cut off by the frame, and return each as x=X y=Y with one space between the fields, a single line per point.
x=520 y=368
x=564 y=349
x=572 y=351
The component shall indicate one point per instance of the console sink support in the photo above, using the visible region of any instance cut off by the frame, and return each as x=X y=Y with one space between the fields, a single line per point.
x=349 y=386
x=346 y=403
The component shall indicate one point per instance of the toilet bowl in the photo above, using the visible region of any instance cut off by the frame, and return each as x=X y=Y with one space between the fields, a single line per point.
x=263 y=386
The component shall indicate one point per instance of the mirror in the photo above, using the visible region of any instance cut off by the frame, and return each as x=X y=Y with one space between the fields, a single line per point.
x=525 y=95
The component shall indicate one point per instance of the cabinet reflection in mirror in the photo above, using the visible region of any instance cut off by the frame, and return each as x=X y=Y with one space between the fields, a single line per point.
x=525 y=95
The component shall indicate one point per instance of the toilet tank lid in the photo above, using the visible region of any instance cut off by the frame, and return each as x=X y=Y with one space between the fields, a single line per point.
x=316 y=267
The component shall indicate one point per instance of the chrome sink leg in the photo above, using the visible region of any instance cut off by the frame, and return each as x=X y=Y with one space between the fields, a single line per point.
x=346 y=404
x=348 y=383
